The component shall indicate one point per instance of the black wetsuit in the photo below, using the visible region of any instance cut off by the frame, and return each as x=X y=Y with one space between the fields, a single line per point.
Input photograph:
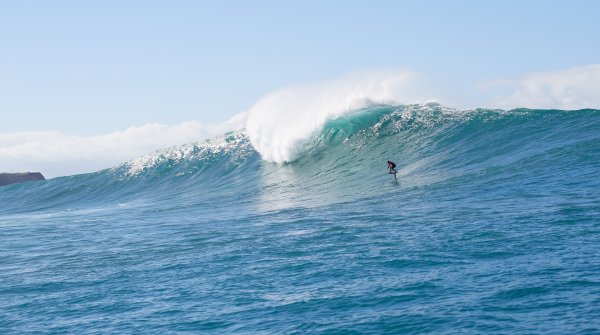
x=392 y=167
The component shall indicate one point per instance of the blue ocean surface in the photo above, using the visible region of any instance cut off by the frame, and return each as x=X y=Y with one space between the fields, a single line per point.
x=492 y=227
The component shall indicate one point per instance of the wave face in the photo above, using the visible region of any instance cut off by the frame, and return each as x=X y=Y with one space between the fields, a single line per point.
x=494 y=215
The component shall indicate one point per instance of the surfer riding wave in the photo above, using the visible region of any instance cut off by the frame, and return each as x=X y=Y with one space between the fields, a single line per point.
x=391 y=167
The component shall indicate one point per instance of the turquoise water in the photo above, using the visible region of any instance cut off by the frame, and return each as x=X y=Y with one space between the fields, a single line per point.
x=492 y=227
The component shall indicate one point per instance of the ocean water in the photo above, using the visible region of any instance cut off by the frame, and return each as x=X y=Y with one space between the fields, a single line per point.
x=492 y=227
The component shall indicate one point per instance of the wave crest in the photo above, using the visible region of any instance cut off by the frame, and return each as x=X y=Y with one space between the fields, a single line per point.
x=279 y=124
x=232 y=143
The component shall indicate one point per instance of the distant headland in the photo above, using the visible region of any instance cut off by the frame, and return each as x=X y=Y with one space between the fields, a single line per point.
x=13 y=178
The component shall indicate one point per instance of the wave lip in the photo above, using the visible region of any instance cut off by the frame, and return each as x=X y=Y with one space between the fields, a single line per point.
x=279 y=124
x=228 y=143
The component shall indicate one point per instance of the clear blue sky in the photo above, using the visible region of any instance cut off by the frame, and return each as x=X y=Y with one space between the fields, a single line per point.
x=92 y=67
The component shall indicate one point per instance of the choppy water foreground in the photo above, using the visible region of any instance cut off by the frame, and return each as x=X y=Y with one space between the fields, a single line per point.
x=493 y=226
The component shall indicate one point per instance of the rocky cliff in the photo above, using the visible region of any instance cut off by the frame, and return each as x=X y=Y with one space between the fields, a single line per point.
x=12 y=178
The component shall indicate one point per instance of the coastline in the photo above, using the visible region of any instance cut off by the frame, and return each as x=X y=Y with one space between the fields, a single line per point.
x=19 y=177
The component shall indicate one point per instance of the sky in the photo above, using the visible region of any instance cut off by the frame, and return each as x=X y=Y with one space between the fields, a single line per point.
x=85 y=85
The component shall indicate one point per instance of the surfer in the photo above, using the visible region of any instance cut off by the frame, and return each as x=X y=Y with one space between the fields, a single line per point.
x=392 y=167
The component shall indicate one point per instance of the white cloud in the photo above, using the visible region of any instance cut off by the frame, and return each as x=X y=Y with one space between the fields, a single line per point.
x=573 y=88
x=55 y=153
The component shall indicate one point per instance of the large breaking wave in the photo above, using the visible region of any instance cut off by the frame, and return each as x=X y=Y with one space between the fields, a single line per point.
x=342 y=157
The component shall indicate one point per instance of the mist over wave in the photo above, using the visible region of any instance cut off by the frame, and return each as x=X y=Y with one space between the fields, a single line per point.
x=279 y=124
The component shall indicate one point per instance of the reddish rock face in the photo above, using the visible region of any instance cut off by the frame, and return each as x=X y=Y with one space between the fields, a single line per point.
x=13 y=178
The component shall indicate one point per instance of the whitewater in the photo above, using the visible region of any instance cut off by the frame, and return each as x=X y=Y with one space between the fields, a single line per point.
x=292 y=225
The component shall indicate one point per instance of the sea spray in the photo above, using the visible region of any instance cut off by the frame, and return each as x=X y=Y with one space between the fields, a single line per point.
x=280 y=123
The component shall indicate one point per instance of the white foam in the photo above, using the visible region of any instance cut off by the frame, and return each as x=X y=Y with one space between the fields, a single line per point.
x=280 y=123
x=218 y=145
